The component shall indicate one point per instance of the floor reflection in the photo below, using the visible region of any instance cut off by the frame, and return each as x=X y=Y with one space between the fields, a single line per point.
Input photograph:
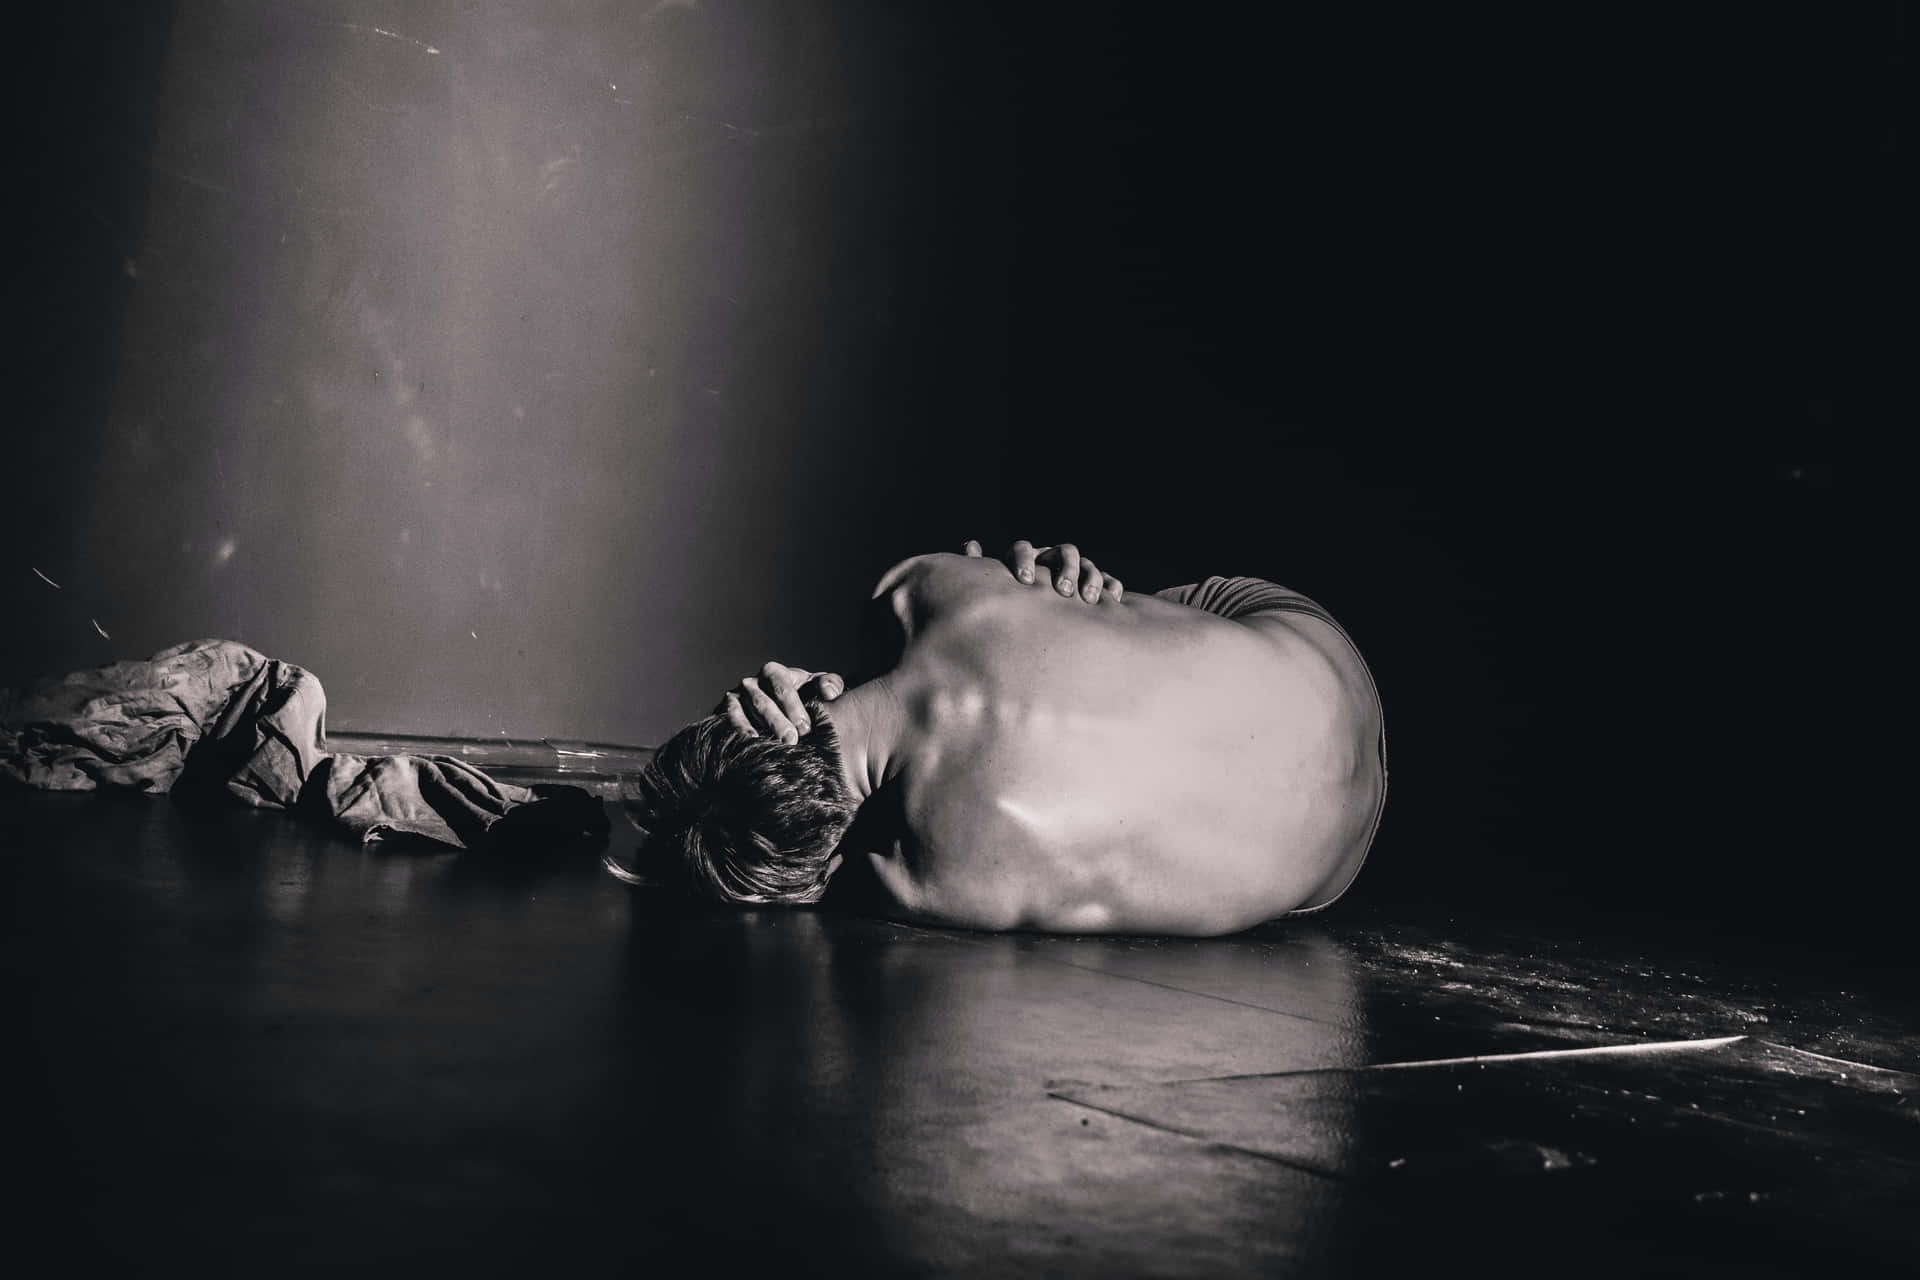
x=359 y=1055
x=909 y=1085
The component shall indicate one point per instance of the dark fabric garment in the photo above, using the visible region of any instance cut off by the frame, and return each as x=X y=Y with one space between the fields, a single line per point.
x=216 y=715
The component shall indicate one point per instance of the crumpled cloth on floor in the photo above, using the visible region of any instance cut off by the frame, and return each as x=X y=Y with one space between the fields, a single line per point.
x=216 y=715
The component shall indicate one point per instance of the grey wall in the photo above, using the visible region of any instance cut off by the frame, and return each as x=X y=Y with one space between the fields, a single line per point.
x=531 y=369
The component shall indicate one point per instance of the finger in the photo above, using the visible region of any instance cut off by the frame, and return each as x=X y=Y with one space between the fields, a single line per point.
x=783 y=682
x=826 y=686
x=766 y=712
x=1090 y=578
x=1066 y=578
x=1020 y=558
x=735 y=715
x=970 y=548
x=1114 y=588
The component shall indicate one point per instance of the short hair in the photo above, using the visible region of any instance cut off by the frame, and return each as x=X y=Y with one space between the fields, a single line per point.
x=737 y=817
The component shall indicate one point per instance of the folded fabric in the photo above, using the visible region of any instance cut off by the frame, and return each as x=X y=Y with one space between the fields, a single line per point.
x=217 y=715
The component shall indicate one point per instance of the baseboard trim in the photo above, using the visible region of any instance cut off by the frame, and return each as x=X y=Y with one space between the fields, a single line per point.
x=594 y=766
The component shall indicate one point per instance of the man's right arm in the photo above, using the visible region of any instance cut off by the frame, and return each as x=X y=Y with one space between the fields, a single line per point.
x=924 y=584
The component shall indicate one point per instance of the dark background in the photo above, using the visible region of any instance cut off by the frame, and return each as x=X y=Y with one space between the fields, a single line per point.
x=538 y=370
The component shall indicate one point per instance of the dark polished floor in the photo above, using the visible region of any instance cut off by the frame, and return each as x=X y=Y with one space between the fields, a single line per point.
x=241 y=1044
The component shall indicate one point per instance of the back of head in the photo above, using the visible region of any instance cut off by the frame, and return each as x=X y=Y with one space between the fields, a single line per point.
x=739 y=818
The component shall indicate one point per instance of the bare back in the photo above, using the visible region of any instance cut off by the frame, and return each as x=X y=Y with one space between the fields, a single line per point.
x=1122 y=767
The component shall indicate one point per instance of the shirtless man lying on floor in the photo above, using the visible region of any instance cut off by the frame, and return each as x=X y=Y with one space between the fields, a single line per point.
x=1058 y=755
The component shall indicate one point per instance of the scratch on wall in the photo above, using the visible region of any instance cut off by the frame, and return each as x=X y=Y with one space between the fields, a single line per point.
x=661 y=6
x=253 y=198
x=390 y=35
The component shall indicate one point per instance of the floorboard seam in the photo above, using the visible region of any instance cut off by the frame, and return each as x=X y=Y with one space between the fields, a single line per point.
x=1266 y=1156
x=1585 y=1051
x=1204 y=995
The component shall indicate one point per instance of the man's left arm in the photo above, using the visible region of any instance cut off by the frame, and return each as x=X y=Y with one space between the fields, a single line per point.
x=773 y=700
x=1072 y=572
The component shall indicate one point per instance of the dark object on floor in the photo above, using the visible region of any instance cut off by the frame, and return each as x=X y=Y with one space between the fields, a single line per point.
x=244 y=1045
x=213 y=716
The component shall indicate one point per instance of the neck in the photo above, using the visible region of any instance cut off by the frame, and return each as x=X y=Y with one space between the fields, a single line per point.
x=868 y=721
